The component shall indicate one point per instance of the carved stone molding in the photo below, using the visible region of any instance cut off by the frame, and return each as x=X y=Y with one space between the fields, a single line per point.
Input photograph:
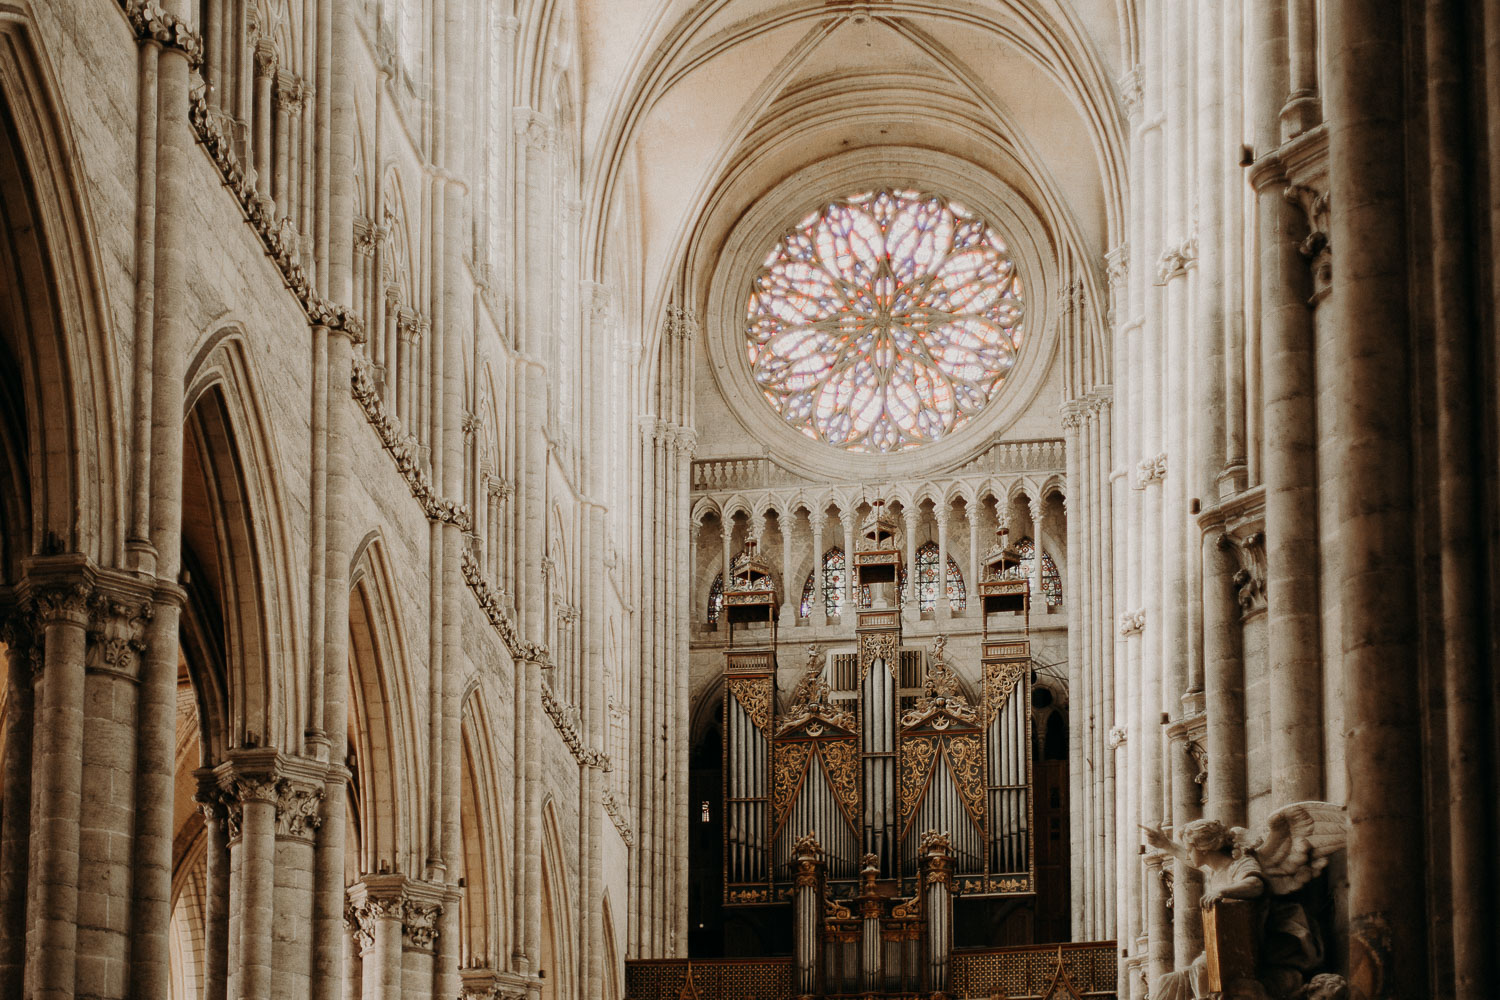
x=1132 y=93
x=532 y=128
x=616 y=811
x=405 y=451
x=494 y=609
x=220 y=146
x=153 y=23
x=1151 y=470
x=564 y=720
x=117 y=634
x=1249 y=581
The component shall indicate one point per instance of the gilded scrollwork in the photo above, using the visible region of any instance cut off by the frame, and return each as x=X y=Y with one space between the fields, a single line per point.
x=1000 y=680
x=841 y=764
x=789 y=765
x=966 y=757
x=918 y=753
x=877 y=646
x=754 y=696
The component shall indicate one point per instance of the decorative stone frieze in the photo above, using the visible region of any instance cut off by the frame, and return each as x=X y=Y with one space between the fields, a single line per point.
x=404 y=451
x=210 y=130
x=154 y=23
x=563 y=720
x=1132 y=622
x=616 y=811
x=494 y=609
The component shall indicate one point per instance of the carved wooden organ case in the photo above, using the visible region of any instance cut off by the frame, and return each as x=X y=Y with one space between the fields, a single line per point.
x=874 y=749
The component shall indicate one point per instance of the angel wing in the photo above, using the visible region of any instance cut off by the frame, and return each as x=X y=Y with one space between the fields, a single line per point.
x=1298 y=842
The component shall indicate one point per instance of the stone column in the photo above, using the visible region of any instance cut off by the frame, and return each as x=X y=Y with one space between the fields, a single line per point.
x=1371 y=463
x=726 y=545
x=216 y=861
x=818 y=612
x=942 y=514
x=972 y=511
x=1077 y=883
x=375 y=911
x=912 y=517
x=121 y=609
x=298 y=815
x=250 y=786
x=60 y=604
x=1223 y=677
x=850 y=521
x=1038 y=602
x=24 y=648
x=790 y=592
x=1185 y=742
x=265 y=75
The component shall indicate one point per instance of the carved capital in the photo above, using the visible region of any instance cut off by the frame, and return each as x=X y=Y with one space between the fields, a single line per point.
x=1118 y=737
x=419 y=923
x=62 y=604
x=265 y=58
x=533 y=129
x=1132 y=622
x=153 y=23
x=298 y=809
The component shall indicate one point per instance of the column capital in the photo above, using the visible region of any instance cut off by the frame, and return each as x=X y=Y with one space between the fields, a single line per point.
x=532 y=128
x=294 y=785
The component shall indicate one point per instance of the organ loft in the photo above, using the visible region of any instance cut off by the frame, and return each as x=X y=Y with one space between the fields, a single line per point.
x=749 y=499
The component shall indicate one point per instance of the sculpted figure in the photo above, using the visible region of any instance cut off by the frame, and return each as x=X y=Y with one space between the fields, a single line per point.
x=812 y=689
x=1266 y=874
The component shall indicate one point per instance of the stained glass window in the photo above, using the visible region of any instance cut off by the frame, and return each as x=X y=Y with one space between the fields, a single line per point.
x=927 y=580
x=1051 y=583
x=885 y=320
x=830 y=577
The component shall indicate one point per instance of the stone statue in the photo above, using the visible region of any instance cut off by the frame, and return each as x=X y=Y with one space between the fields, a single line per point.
x=1265 y=942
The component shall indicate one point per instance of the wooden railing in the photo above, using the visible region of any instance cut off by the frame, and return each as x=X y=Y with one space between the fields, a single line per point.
x=1085 y=969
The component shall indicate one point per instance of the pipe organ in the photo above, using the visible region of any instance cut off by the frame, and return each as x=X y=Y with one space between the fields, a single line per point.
x=885 y=783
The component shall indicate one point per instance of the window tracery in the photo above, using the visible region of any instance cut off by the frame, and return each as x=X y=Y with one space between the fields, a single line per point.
x=1051 y=581
x=927 y=580
x=884 y=320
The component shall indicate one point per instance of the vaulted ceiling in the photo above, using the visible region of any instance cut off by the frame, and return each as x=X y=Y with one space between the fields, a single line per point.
x=689 y=110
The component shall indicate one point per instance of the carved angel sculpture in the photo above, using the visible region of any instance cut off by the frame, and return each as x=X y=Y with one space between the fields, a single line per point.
x=1263 y=871
x=812 y=689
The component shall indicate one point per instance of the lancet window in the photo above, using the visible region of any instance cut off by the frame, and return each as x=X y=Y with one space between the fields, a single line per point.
x=1052 y=589
x=927 y=580
x=827 y=581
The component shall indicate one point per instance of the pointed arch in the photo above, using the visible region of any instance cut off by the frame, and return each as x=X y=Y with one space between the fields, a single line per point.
x=57 y=359
x=556 y=936
x=387 y=787
x=484 y=920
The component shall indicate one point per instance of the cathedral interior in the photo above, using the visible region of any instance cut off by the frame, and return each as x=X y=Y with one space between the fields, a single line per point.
x=749 y=499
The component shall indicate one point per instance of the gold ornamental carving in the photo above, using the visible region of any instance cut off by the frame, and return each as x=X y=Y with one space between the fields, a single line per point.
x=918 y=755
x=881 y=645
x=754 y=696
x=789 y=767
x=966 y=757
x=1000 y=681
x=841 y=763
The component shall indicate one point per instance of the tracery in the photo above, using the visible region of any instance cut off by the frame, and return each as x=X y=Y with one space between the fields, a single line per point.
x=884 y=320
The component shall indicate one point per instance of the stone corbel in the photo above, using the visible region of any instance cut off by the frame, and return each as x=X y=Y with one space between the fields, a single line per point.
x=1249 y=580
x=1316 y=248
x=1132 y=622
x=1151 y=470
x=1189 y=735
x=532 y=128
x=1132 y=93
x=1118 y=737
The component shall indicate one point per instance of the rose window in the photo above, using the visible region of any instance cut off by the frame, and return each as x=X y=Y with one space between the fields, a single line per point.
x=884 y=321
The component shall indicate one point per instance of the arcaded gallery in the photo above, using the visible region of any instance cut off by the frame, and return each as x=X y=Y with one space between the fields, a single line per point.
x=750 y=499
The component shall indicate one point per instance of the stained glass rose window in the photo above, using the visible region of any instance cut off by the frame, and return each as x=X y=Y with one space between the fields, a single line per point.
x=885 y=320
